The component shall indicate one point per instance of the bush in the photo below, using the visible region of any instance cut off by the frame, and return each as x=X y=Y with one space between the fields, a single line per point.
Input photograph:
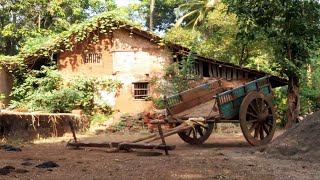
x=2 y=96
x=121 y=125
x=45 y=90
x=158 y=103
x=280 y=104
x=98 y=118
x=179 y=76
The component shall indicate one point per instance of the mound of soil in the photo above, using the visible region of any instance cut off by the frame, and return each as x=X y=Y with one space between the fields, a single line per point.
x=301 y=142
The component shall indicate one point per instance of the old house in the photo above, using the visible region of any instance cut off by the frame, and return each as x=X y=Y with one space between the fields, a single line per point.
x=109 y=47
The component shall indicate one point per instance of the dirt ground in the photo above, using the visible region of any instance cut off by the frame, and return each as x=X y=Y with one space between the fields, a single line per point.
x=223 y=156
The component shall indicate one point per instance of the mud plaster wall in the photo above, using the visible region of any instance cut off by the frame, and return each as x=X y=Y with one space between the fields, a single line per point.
x=126 y=57
x=5 y=84
x=30 y=126
x=71 y=63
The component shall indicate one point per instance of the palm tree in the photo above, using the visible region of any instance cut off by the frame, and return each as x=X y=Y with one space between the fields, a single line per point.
x=195 y=12
x=152 y=2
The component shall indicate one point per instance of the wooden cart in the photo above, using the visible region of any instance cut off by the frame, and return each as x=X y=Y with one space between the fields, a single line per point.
x=249 y=104
x=193 y=114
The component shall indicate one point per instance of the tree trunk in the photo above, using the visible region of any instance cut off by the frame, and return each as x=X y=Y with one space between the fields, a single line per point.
x=151 y=14
x=39 y=21
x=293 y=102
x=309 y=74
x=244 y=55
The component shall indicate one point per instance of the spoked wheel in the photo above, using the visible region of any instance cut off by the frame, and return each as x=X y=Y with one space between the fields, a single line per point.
x=197 y=135
x=257 y=118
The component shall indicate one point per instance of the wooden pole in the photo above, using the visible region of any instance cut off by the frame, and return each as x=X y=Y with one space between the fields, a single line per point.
x=182 y=128
x=162 y=138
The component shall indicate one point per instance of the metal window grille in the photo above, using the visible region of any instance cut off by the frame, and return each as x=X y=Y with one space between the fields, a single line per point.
x=140 y=90
x=93 y=58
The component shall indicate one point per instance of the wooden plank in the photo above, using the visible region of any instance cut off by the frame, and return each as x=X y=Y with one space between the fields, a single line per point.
x=219 y=71
x=240 y=74
x=124 y=146
x=197 y=68
x=201 y=69
x=223 y=73
x=234 y=74
x=229 y=70
x=206 y=110
x=214 y=70
x=194 y=102
x=194 y=93
x=246 y=75
x=197 y=91
x=210 y=70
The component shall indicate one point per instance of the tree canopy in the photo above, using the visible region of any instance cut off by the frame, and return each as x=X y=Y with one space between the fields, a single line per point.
x=293 y=28
x=20 y=19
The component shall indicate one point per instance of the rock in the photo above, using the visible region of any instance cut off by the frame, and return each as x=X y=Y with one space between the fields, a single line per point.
x=152 y=115
x=146 y=120
x=9 y=148
x=27 y=159
x=99 y=131
x=146 y=114
x=6 y=170
x=137 y=116
x=129 y=122
x=21 y=171
x=161 y=116
x=26 y=163
x=48 y=164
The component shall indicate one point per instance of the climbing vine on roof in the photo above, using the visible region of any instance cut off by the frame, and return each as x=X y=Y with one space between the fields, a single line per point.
x=46 y=46
x=11 y=62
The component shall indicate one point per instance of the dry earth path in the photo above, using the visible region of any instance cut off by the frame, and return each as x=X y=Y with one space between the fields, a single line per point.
x=223 y=156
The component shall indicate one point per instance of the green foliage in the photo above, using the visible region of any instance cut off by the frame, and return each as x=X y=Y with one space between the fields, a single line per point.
x=182 y=36
x=164 y=13
x=29 y=18
x=45 y=90
x=280 y=104
x=99 y=118
x=292 y=27
x=310 y=101
x=2 y=96
x=102 y=24
x=216 y=36
x=11 y=62
x=121 y=125
x=293 y=30
x=195 y=12
x=179 y=76
x=158 y=103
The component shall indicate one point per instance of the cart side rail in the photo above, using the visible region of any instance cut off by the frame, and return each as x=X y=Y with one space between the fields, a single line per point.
x=192 y=97
x=229 y=101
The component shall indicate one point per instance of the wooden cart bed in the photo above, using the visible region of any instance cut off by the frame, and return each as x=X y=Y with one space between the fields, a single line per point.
x=196 y=102
x=204 y=110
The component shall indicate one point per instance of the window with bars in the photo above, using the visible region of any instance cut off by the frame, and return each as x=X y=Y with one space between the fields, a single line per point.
x=93 y=58
x=140 y=90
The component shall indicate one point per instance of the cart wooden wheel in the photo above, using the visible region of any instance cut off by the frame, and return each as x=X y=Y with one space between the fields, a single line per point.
x=257 y=118
x=197 y=135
